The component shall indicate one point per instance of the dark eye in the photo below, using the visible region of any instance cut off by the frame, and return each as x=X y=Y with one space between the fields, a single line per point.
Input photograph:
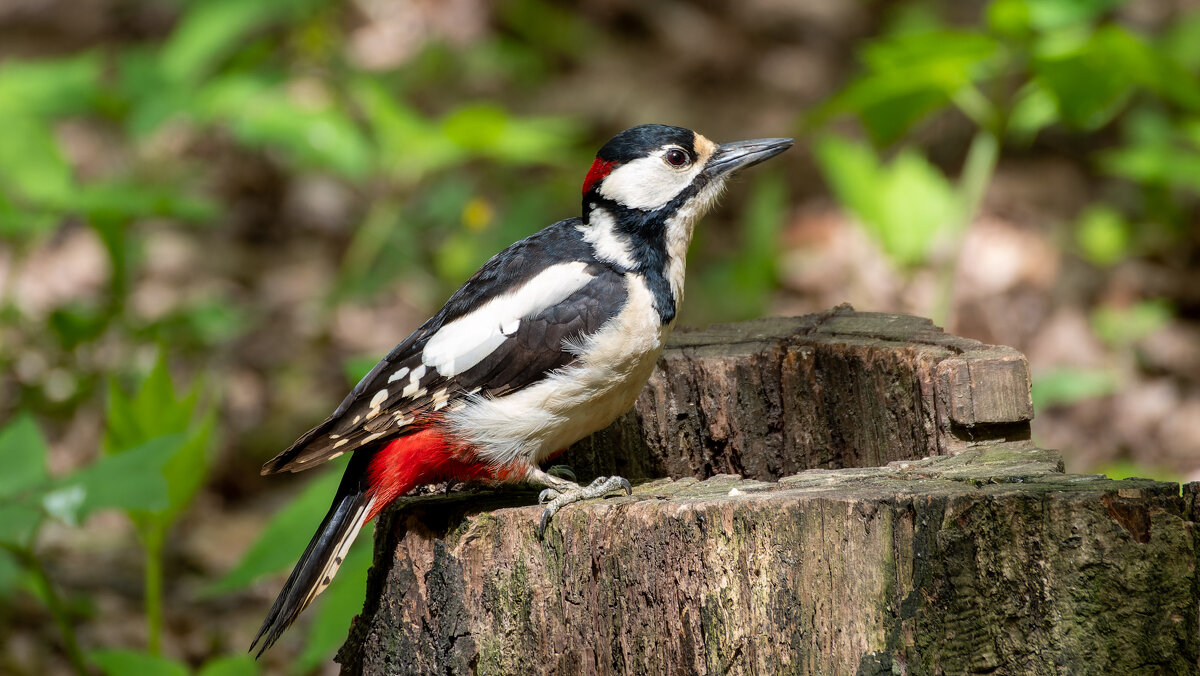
x=676 y=157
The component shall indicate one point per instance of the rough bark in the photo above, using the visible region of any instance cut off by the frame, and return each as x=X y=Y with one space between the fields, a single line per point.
x=984 y=558
x=992 y=561
x=770 y=397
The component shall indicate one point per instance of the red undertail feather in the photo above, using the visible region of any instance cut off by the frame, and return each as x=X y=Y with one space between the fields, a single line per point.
x=372 y=481
x=424 y=457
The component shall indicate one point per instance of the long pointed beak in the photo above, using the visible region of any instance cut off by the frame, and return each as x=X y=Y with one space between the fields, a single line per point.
x=741 y=154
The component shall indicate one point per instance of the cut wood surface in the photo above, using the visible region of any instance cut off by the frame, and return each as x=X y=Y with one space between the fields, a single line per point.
x=992 y=561
x=770 y=397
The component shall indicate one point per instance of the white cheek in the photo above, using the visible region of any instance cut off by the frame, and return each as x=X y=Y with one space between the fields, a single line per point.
x=646 y=183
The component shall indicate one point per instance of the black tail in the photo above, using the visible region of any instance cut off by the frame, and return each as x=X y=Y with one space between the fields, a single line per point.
x=324 y=554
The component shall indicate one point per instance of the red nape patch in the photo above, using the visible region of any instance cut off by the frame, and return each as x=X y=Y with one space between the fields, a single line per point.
x=600 y=169
x=424 y=457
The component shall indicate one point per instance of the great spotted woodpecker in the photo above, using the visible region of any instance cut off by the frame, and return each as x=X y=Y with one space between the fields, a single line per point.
x=549 y=341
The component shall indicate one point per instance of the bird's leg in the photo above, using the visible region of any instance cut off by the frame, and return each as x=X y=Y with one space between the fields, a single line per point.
x=561 y=492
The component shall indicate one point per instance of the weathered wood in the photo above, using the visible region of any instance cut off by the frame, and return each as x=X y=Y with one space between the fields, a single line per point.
x=991 y=561
x=770 y=397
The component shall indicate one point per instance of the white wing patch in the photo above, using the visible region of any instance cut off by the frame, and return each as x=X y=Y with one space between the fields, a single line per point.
x=400 y=373
x=468 y=340
x=647 y=182
x=380 y=397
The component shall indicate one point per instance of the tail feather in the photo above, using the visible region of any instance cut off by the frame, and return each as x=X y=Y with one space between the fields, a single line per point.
x=352 y=506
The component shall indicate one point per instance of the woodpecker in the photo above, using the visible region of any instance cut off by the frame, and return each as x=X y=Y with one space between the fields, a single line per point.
x=549 y=341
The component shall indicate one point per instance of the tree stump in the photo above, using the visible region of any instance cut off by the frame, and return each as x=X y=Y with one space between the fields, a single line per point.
x=770 y=397
x=983 y=558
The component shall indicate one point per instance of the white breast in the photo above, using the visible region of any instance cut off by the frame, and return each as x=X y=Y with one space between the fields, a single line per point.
x=575 y=401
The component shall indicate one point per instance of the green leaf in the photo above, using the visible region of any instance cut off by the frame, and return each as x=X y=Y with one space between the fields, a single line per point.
x=339 y=603
x=310 y=133
x=11 y=574
x=1103 y=235
x=409 y=145
x=23 y=456
x=911 y=74
x=18 y=524
x=1124 y=326
x=1034 y=109
x=31 y=166
x=1066 y=386
x=127 y=662
x=1157 y=152
x=905 y=206
x=156 y=412
x=285 y=536
x=234 y=665
x=207 y=32
x=132 y=479
x=1181 y=43
x=488 y=130
x=1048 y=15
x=1093 y=76
x=49 y=88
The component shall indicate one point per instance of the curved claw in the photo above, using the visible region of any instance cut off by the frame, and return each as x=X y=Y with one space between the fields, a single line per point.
x=547 y=494
x=541 y=530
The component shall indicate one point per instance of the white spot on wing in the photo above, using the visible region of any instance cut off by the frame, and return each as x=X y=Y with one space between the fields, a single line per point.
x=400 y=373
x=468 y=340
x=380 y=397
x=417 y=374
x=341 y=443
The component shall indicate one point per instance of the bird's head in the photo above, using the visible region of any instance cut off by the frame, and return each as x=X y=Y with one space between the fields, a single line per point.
x=654 y=166
x=650 y=183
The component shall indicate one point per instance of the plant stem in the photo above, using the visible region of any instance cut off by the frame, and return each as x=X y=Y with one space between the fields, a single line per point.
x=977 y=173
x=153 y=542
x=55 y=605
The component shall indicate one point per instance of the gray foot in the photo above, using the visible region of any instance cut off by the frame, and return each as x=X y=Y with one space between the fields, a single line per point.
x=561 y=497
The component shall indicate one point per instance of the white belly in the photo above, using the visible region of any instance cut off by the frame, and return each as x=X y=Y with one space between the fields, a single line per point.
x=575 y=401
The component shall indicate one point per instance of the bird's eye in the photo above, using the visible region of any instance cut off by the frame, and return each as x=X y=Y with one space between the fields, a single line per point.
x=676 y=157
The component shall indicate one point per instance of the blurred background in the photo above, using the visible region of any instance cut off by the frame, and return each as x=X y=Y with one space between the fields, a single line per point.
x=216 y=214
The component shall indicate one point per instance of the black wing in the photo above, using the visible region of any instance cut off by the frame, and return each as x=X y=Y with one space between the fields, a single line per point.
x=389 y=399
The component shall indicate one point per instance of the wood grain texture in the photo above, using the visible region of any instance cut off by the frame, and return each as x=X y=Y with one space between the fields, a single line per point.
x=770 y=397
x=991 y=561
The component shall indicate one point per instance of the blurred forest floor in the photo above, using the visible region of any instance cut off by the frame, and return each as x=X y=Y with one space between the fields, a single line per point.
x=299 y=270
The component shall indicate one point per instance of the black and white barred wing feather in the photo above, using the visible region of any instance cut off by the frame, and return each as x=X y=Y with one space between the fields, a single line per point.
x=503 y=330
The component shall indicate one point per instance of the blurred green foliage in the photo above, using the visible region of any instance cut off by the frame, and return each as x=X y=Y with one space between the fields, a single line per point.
x=1063 y=67
x=155 y=459
x=1051 y=65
